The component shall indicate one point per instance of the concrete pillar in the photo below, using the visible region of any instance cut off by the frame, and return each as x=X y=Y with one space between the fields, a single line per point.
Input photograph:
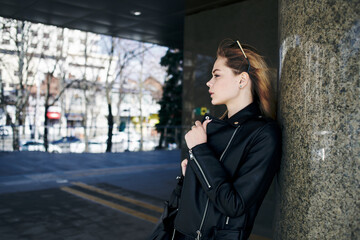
x=319 y=113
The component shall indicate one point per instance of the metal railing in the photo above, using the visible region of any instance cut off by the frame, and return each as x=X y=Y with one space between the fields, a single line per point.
x=74 y=139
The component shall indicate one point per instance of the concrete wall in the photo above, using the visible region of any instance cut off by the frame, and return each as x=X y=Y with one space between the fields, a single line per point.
x=319 y=114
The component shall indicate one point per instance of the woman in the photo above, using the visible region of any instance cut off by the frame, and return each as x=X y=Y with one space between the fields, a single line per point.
x=232 y=160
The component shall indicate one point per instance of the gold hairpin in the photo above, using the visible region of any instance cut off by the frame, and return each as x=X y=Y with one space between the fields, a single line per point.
x=241 y=48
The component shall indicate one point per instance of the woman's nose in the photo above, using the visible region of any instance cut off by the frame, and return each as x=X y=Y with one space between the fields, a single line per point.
x=208 y=83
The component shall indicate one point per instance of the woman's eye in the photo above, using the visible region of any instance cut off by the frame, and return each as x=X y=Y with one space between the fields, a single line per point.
x=216 y=75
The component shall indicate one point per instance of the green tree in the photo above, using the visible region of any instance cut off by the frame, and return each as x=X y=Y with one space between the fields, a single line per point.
x=171 y=102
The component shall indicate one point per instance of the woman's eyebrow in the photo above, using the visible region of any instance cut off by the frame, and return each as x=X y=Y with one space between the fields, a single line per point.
x=215 y=70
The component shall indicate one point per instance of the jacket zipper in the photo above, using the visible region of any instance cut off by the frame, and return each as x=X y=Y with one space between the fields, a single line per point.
x=173 y=235
x=229 y=143
x=202 y=172
x=198 y=232
x=228 y=218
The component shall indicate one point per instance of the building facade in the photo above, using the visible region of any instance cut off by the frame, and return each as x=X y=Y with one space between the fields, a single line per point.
x=84 y=78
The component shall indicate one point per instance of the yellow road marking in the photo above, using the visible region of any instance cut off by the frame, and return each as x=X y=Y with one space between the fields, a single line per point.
x=120 y=197
x=111 y=204
x=127 y=199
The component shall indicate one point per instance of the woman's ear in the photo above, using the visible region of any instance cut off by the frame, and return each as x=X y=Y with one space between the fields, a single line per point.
x=244 y=79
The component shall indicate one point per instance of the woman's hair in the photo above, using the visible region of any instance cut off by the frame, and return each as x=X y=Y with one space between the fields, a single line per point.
x=261 y=88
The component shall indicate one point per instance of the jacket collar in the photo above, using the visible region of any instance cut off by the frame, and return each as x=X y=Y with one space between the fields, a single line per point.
x=250 y=111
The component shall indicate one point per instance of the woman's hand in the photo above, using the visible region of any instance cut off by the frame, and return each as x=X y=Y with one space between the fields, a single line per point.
x=183 y=166
x=197 y=134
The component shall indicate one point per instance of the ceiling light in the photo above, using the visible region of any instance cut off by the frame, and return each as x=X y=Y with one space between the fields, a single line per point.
x=136 y=12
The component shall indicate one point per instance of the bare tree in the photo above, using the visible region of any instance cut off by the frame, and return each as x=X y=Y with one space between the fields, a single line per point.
x=108 y=87
x=140 y=96
x=86 y=97
x=88 y=85
x=124 y=53
x=19 y=33
x=52 y=98
x=146 y=66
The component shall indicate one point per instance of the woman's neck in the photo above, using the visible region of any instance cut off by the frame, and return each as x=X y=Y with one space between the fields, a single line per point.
x=234 y=108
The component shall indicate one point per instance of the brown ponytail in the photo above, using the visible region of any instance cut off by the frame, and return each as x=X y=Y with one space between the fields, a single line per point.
x=259 y=73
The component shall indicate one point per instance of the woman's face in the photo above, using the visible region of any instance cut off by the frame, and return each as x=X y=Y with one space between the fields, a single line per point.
x=224 y=84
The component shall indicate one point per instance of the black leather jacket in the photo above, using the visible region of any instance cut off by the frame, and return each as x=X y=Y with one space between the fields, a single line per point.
x=227 y=177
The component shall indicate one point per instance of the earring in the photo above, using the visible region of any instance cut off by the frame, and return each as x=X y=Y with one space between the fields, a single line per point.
x=240 y=86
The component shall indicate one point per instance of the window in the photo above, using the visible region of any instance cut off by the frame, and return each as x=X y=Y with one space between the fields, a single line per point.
x=6 y=41
x=46 y=35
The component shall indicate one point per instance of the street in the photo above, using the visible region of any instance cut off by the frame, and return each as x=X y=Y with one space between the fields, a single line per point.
x=84 y=196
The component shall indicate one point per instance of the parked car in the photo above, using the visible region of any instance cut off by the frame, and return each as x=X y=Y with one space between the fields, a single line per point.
x=5 y=131
x=38 y=145
x=97 y=147
x=135 y=145
x=70 y=139
x=120 y=143
x=99 y=143
x=70 y=144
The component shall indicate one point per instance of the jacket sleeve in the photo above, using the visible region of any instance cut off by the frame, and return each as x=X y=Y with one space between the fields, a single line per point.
x=176 y=194
x=233 y=195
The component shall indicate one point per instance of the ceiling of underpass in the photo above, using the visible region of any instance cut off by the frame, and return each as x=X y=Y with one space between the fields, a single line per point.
x=161 y=21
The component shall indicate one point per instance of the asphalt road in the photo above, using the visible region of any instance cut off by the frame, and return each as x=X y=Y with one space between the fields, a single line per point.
x=84 y=196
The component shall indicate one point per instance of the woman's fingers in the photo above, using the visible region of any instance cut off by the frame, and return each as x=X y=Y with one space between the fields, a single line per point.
x=197 y=123
x=205 y=123
x=183 y=166
x=197 y=134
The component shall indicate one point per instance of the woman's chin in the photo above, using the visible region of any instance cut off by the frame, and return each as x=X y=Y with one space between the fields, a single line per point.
x=214 y=102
